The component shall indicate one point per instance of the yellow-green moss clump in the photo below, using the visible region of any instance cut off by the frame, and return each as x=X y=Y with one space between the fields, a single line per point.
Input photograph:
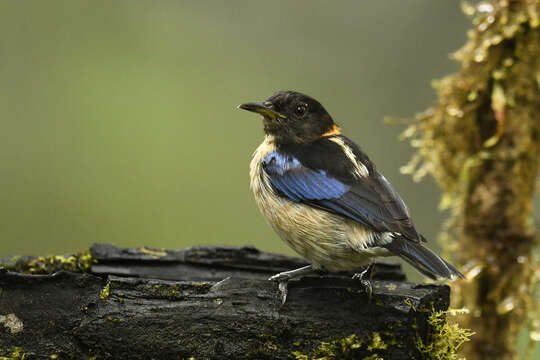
x=16 y=354
x=81 y=263
x=345 y=348
x=445 y=338
x=105 y=292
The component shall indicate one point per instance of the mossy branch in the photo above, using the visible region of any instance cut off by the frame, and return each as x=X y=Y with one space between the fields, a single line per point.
x=481 y=141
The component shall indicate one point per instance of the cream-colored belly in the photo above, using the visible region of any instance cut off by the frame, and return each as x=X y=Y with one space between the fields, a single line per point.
x=329 y=241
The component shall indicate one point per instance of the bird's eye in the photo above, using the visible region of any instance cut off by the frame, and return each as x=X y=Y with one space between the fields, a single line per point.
x=300 y=110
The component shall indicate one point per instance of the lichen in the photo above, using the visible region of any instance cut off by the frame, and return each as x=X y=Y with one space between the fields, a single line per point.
x=80 y=263
x=12 y=323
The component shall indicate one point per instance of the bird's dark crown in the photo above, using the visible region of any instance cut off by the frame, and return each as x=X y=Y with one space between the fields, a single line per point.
x=292 y=117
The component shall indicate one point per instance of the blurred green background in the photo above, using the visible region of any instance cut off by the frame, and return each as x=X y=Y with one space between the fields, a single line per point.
x=119 y=120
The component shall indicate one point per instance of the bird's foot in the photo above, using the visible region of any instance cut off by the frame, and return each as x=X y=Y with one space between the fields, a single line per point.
x=366 y=283
x=284 y=277
x=283 y=290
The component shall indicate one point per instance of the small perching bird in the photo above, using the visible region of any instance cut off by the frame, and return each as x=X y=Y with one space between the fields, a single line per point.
x=323 y=196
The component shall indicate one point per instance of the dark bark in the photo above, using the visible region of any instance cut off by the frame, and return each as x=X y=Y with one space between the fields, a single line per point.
x=206 y=263
x=182 y=304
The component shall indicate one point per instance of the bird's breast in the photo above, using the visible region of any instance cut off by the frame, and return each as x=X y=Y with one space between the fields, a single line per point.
x=328 y=240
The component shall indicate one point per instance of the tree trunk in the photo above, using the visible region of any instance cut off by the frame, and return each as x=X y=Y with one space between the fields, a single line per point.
x=482 y=144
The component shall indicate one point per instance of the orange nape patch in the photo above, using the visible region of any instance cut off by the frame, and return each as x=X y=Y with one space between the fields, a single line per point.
x=335 y=130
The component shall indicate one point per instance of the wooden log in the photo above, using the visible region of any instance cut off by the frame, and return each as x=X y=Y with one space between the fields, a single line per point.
x=210 y=303
x=207 y=263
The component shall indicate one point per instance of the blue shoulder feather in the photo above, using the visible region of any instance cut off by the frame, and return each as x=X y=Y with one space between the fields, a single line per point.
x=330 y=186
x=300 y=183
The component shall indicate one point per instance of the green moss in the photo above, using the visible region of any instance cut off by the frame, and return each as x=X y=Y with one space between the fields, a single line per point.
x=443 y=342
x=345 y=348
x=445 y=338
x=389 y=335
x=171 y=291
x=114 y=320
x=376 y=343
x=105 y=292
x=119 y=297
x=299 y=356
x=80 y=263
x=16 y=354
x=340 y=348
x=264 y=347
x=408 y=302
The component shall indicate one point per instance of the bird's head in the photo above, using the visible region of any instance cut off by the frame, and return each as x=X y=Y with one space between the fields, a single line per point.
x=292 y=117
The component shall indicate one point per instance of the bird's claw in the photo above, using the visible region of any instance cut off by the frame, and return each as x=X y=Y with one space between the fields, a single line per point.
x=282 y=280
x=282 y=286
x=283 y=277
x=366 y=284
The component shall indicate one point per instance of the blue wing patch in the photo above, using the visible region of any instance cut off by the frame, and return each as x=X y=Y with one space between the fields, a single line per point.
x=318 y=175
x=299 y=183
x=317 y=188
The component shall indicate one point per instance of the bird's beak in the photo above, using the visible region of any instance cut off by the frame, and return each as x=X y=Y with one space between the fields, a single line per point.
x=260 y=108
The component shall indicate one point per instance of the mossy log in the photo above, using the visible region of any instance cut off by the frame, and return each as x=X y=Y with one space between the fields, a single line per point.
x=206 y=303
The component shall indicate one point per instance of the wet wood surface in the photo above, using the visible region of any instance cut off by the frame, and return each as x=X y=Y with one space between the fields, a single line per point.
x=209 y=303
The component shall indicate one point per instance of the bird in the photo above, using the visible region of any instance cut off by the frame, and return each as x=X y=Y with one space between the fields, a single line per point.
x=325 y=198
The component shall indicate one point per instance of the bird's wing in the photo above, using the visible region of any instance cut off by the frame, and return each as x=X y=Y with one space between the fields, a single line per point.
x=335 y=175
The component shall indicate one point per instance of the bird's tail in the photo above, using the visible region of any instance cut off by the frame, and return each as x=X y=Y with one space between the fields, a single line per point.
x=422 y=259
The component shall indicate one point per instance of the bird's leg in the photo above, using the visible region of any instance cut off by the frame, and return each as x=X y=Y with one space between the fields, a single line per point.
x=283 y=277
x=366 y=283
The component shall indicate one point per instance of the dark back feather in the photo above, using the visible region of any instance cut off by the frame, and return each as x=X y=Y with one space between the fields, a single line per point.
x=370 y=200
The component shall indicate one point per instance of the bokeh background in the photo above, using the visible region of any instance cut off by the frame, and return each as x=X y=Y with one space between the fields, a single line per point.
x=119 y=120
